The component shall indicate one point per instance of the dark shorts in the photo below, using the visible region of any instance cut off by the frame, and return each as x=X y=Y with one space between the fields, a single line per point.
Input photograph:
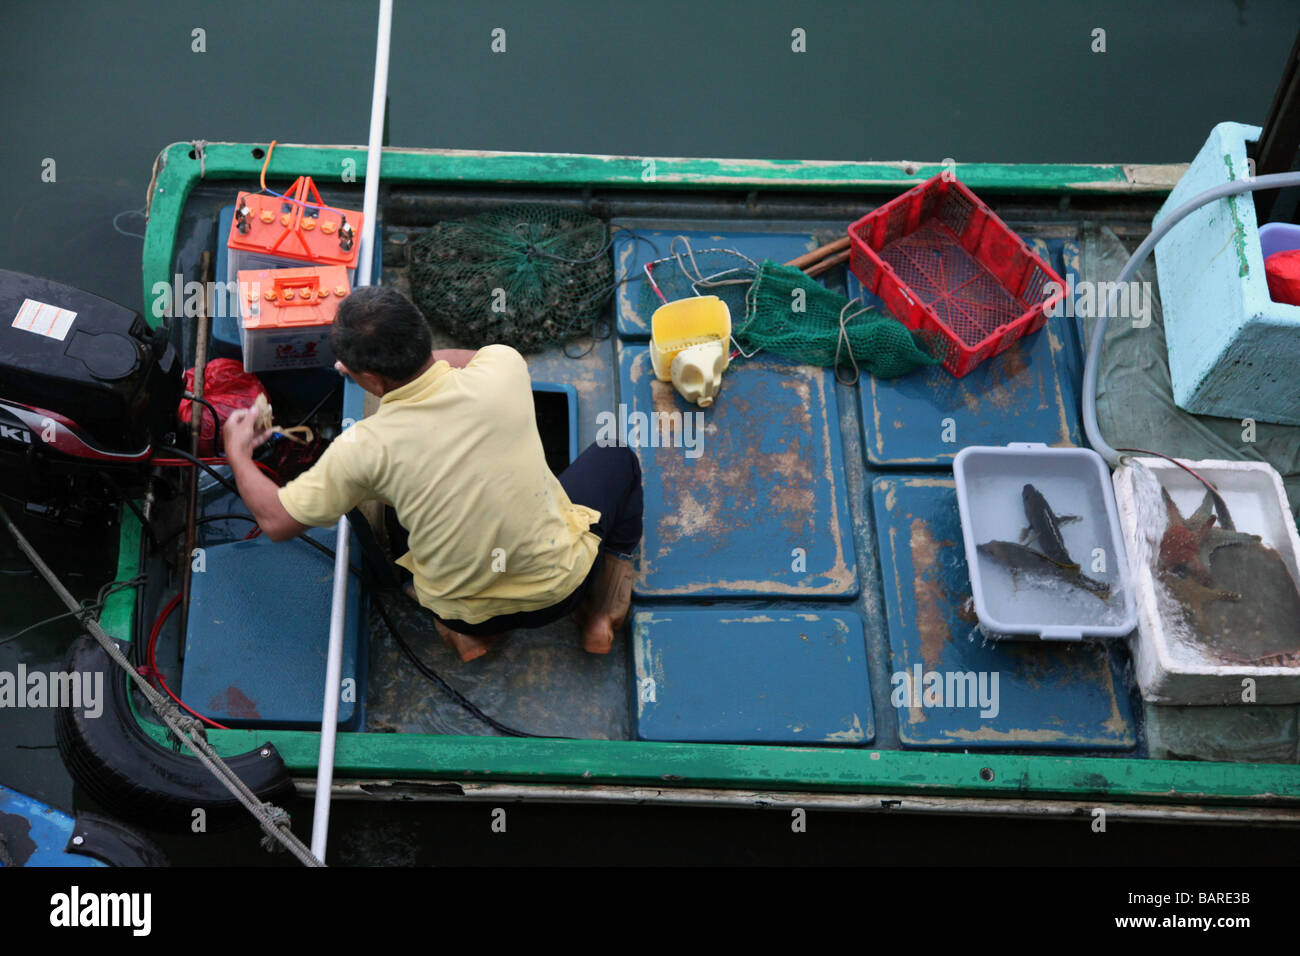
x=606 y=479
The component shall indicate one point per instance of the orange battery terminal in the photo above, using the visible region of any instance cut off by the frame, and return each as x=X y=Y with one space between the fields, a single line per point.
x=282 y=228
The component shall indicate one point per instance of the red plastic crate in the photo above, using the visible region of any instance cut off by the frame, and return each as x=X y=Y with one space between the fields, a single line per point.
x=951 y=270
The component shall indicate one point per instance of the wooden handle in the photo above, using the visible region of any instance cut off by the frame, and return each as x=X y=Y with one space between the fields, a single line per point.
x=830 y=263
x=821 y=252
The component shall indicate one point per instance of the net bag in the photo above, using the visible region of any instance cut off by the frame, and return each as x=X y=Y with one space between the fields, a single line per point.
x=528 y=276
x=792 y=315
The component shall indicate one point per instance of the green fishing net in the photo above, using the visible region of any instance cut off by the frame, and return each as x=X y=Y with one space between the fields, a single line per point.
x=529 y=276
x=795 y=316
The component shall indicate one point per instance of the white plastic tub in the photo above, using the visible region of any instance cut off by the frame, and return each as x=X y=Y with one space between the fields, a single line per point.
x=1074 y=481
x=1171 y=669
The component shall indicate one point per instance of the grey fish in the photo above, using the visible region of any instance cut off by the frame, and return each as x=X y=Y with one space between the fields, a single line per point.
x=1018 y=558
x=1045 y=526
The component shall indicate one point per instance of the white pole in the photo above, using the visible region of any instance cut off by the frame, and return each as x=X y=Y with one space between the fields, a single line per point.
x=338 y=606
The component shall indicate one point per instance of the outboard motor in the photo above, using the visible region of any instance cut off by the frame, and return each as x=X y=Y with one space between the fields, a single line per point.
x=87 y=392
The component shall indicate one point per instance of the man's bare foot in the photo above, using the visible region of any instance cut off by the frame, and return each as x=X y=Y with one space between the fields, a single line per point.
x=606 y=606
x=467 y=646
x=597 y=630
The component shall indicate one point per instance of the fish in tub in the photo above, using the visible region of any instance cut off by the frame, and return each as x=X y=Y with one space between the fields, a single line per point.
x=1052 y=560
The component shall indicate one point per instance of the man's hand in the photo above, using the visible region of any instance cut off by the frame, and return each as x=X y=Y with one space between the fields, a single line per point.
x=258 y=491
x=240 y=435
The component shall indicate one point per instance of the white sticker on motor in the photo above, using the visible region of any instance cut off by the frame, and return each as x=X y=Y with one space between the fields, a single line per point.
x=44 y=319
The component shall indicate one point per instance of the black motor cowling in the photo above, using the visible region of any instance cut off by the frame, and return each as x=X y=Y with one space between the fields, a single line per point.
x=87 y=391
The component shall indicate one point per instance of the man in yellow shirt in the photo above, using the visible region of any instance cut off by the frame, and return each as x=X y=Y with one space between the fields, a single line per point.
x=496 y=541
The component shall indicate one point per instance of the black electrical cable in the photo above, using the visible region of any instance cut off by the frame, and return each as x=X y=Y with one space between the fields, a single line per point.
x=433 y=676
x=216 y=419
x=222 y=516
x=321 y=404
x=117 y=492
x=382 y=580
x=230 y=486
x=226 y=482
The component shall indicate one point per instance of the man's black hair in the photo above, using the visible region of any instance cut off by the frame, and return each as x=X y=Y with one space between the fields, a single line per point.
x=377 y=329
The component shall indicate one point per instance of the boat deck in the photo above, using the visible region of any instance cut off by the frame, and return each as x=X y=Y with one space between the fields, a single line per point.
x=799 y=559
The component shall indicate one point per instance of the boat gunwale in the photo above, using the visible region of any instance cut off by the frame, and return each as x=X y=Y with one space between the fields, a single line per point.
x=721 y=768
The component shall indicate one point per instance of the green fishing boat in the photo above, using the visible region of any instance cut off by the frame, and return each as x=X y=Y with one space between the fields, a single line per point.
x=801 y=632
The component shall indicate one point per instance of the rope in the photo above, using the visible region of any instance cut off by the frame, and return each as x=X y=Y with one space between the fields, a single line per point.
x=184 y=729
x=90 y=607
x=128 y=232
x=199 y=146
x=843 y=340
x=698 y=280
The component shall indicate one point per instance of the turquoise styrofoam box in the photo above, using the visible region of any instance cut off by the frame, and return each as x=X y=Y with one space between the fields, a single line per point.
x=1233 y=351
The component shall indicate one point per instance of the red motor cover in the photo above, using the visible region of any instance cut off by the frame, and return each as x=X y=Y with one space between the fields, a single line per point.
x=1282 y=269
x=229 y=388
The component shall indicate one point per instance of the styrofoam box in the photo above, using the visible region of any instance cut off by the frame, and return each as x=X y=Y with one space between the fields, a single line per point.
x=1232 y=350
x=1173 y=672
x=1075 y=482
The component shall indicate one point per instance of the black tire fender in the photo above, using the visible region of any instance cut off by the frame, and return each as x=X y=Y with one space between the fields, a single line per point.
x=113 y=843
x=133 y=777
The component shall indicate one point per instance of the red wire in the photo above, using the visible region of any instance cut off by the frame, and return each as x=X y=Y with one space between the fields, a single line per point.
x=185 y=463
x=156 y=675
x=654 y=285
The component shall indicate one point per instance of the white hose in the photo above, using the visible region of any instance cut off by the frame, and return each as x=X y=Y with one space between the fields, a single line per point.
x=1093 y=363
x=338 y=606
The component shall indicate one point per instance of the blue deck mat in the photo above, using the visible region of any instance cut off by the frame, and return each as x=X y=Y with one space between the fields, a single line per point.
x=757 y=677
x=259 y=632
x=762 y=510
x=631 y=255
x=1050 y=696
x=1029 y=393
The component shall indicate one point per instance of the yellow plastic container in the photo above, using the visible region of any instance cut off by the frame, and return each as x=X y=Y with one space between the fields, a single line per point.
x=689 y=346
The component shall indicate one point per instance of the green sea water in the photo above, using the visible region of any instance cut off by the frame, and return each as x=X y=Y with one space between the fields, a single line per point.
x=97 y=89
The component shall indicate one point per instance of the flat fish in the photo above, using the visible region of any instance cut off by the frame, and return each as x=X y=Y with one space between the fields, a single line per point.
x=1264 y=626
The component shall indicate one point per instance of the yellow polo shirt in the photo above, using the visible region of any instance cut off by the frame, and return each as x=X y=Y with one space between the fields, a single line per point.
x=457 y=454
